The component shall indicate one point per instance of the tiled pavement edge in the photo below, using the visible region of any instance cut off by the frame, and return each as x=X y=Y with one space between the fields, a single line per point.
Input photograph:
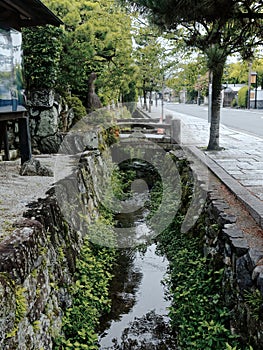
x=239 y=165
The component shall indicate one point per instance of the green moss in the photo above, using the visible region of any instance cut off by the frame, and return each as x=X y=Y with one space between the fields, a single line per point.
x=6 y=280
x=36 y=326
x=12 y=333
x=21 y=309
x=61 y=255
x=21 y=303
x=8 y=227
x=34 y=273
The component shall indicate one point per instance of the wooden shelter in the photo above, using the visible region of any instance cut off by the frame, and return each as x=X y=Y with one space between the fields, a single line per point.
x=25 y=13
x=15 y=14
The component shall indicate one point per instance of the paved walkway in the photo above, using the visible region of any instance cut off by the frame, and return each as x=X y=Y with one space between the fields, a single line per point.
x=239 y=165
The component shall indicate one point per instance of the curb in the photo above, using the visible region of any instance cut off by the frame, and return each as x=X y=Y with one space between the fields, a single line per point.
x=143 y=113
x=252 y=203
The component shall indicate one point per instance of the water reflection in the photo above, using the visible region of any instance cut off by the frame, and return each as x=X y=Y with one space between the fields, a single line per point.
x=137 y=288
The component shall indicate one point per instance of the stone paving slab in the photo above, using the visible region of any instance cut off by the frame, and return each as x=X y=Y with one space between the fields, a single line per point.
x=239 y=165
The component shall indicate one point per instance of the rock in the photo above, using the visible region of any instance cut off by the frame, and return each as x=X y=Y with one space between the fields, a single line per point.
x=45 y=121
x=33 y=168
x=41 y=98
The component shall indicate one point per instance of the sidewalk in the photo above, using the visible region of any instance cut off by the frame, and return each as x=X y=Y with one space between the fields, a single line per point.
x=239 y=166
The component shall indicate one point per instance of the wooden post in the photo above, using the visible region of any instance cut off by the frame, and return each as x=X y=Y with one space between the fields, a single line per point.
x=4 y=138
x=24 y=139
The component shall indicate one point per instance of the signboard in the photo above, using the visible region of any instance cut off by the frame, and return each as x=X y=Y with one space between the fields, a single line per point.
x=11 y=82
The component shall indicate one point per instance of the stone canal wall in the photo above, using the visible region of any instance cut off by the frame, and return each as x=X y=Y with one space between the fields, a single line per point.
x=37 y=263
x=234 y=243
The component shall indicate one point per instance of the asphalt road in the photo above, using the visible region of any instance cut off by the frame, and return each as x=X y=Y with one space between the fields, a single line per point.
x=248 y=121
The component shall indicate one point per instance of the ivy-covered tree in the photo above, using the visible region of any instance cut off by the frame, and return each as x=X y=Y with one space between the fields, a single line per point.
x=97 y=38
x=41 y=57
x=218 y=28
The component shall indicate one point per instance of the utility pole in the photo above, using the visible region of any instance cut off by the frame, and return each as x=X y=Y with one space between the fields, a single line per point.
x=254 y=80
x=162 y=116
x=249 y=83
x=198 y=91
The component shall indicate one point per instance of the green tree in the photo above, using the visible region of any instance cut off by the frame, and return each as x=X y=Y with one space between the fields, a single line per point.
x=238 y=72
x=96 y=39
x=148 y=60
x=190 y=76
x=218 y=28
x=152 y=58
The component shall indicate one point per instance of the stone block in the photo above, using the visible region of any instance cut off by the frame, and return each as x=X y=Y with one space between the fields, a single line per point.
x=239 y=246
x=232 y=232
x=255 y=255
x=41 y=98
x=243 y=273
x=236 y=239
x=225 y=218
x=260 y=282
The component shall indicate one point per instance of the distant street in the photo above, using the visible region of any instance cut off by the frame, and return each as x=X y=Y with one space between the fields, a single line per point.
x=247 y=121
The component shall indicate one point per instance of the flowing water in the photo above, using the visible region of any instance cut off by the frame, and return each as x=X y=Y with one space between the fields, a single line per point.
x=139 y=316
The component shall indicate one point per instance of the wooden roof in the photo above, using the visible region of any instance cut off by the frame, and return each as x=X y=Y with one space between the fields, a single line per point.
x=25 y=13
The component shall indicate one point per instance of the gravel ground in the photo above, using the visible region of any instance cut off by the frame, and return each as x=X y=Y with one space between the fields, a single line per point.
x=17 y=191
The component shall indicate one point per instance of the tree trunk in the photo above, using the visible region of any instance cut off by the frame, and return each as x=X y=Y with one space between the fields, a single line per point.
x=150 y=102
x=216 y=103
x=145 y=99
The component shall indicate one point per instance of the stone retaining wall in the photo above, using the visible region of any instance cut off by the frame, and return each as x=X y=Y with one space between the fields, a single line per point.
x=242 y=285
x=37 y=264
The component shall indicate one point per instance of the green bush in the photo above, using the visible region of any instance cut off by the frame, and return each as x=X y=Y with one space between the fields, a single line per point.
x=234 y=102
x=78 y=109
x=242 y=97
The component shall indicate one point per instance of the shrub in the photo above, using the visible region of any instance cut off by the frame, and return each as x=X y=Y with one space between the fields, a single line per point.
x=90 y=293
x=242 y=97
x=78 y=109
x=234 y=102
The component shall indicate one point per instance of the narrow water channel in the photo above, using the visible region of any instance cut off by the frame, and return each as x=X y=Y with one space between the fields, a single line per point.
x=139 y=315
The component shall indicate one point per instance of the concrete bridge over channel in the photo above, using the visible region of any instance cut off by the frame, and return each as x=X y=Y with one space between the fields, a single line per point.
x=168 y=131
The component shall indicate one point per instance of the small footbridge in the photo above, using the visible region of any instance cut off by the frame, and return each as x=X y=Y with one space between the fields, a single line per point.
x=167 y=132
